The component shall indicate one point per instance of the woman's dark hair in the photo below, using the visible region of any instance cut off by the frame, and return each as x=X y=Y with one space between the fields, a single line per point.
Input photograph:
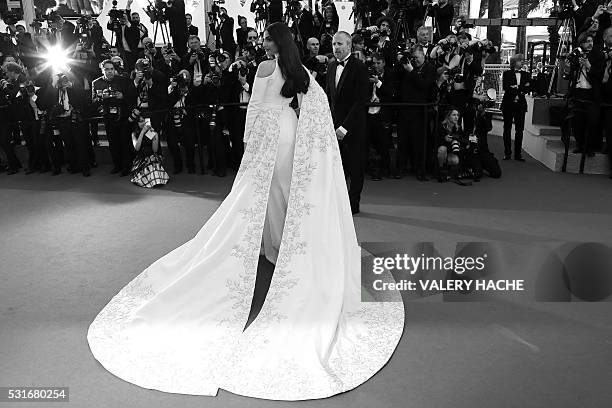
x=289 y=61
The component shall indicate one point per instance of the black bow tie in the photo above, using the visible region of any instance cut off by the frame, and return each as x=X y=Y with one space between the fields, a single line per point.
x=343 y=63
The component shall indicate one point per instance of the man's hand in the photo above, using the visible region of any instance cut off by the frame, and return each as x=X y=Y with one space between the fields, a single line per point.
x=119 y=95
x=242 y=78
x=339 y=134
x=585 y=63
x=138 y=76
x=321 y=58
x=193 y=58
x=149 y=82
x=408 y=66
x=374 y=79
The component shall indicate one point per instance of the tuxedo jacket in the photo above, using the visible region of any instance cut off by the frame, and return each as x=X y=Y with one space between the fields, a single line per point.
x=347 y=100
x=509 y=79
x=192 y=30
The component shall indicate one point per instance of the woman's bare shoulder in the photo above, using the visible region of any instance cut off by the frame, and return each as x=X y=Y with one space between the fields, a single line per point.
x=266 y=68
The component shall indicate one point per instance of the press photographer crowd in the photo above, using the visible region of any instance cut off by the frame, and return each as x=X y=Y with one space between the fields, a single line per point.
x=419 y=89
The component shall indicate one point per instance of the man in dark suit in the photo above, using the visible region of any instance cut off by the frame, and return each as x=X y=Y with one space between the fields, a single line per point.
x=226 y=33
x=347 y=91
x=62 y=32
x=379 y=118
x=191 y=29
x=416 y=77
x=516 y=84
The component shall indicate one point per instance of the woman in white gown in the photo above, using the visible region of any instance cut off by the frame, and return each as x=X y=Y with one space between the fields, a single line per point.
x=179 y=326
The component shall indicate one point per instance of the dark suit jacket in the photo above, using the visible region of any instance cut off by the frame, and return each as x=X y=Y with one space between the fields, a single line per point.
x=69 y=38
x=192 y=30
x=509 y=79
x=226 y=32
x=415 y=86
x=347 y=101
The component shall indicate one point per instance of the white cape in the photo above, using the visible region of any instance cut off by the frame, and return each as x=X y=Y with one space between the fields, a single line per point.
x=178 y=326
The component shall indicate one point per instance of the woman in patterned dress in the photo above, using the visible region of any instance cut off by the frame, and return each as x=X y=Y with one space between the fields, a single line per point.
x=147 y=169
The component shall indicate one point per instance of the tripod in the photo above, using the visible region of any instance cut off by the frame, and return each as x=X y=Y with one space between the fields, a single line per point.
x=569 y=29
x=400 y=26
x=163 y=28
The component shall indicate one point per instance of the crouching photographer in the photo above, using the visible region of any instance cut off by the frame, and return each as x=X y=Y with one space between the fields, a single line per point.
x=63 y=101
x=452 y=147
x=181 y=126
x=479 y=159
x=151 y=92
x=110 y=94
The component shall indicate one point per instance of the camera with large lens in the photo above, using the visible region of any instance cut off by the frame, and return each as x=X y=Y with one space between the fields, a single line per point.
x=180 y=80
x=446 y=46
x=406 y=56
x=455 y=75
x=115 y=16
x=10 y=18
x=157 y=11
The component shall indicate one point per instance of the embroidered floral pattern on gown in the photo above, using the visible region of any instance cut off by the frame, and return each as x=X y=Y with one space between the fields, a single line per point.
x=179 y=325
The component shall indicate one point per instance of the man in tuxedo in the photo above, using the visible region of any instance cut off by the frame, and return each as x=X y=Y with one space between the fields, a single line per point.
x=516 y=84
x=347 y=92
x=191 y=29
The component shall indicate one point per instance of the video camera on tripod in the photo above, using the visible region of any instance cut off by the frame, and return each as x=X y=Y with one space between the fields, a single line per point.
x=157 y=11
x=115 y=15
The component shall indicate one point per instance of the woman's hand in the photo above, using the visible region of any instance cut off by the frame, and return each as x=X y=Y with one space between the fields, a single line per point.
x=448 y=138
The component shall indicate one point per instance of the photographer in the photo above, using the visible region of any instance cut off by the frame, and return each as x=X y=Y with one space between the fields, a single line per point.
x=516 y=83
x=445 y=52
x=35 y=137
x=218 y=144
x=225 y=33
x=385 y=45
x=316 y=64
x=151 y=92
x=181 y=126
x=150 y=51
x=606 y=92
x=110 y=94
x=170 y=65
x=235 y=88
x=462 y=27
x=63 y=100
x=127 y=36
x=443 y=13
x=11 y=79
x=585 y=91
x=463 y=79
x=452 y=148
x=379 y=118
x=416 y=77
x=196 y=60
x=62 y=32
